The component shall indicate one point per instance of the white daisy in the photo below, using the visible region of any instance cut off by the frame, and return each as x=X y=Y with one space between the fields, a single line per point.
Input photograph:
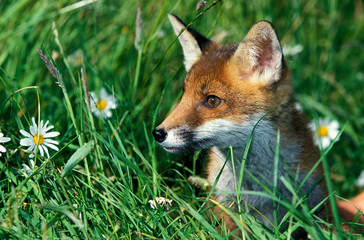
x=39 y=138
x=153 y=204
x=28 y=169
x=163 y=202
x=102 y=106
x=3 y=140
x=326 y=131
x=76 y=58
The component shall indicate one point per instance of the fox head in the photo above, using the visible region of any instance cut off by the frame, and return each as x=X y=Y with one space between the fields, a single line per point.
x=227 y=89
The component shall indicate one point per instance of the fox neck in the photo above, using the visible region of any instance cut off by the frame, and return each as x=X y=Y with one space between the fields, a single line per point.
x=260 y=163
x=260 y=157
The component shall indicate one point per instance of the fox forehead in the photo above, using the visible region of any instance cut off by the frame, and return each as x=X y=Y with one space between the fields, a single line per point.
x=209 y=72
x=215 y=74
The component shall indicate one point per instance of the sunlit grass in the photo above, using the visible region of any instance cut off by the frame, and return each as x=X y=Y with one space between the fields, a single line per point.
x=107 y=169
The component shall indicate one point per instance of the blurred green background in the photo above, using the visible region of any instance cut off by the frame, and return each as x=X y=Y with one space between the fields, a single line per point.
x=328 y=75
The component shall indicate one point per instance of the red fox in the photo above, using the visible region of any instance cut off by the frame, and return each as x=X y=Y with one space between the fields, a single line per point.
x=230 y=90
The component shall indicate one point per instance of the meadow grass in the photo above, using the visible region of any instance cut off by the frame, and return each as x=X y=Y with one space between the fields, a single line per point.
x=97 y=186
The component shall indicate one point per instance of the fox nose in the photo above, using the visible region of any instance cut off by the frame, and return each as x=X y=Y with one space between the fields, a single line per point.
x=159 y=134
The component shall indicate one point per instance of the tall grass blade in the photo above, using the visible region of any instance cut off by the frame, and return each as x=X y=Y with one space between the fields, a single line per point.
x=80 y=154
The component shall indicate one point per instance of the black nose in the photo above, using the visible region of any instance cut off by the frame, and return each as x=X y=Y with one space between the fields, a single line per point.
x=159 y=135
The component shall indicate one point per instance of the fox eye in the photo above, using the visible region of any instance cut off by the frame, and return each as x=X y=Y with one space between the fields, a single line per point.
x=213 y=101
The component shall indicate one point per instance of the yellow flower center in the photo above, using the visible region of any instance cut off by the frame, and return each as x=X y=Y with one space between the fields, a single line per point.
x=323 y=131
x=124 y=29
x=78 y=60
x=101 y=104
x=38 y=139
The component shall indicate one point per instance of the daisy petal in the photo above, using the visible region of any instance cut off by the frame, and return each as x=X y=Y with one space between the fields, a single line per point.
x=325 y=142
x=32 y=164
x=48 y=128
x=2 y=149
x=334 y=125
x=26 y=142
x=325 y=121
x=26 y=134
x=113 y=105
x=46 y=151
x=316 y=140
x=4 y=139
x=33 y=130
x=45 y=125
x=94 y=98
x=312 y=126
x=31 y=148
x=333 y=133
x=50 y=141
x=41 y=152
x=103 y=94
x=51 y=134
x=26 y=169
x=43 y=129
x=51 y=146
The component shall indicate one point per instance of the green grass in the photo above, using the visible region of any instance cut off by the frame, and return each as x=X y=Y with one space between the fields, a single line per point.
x=105 y=192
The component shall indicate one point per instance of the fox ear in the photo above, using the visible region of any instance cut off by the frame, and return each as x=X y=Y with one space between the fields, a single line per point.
x=193 y=43
x=259 y=56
